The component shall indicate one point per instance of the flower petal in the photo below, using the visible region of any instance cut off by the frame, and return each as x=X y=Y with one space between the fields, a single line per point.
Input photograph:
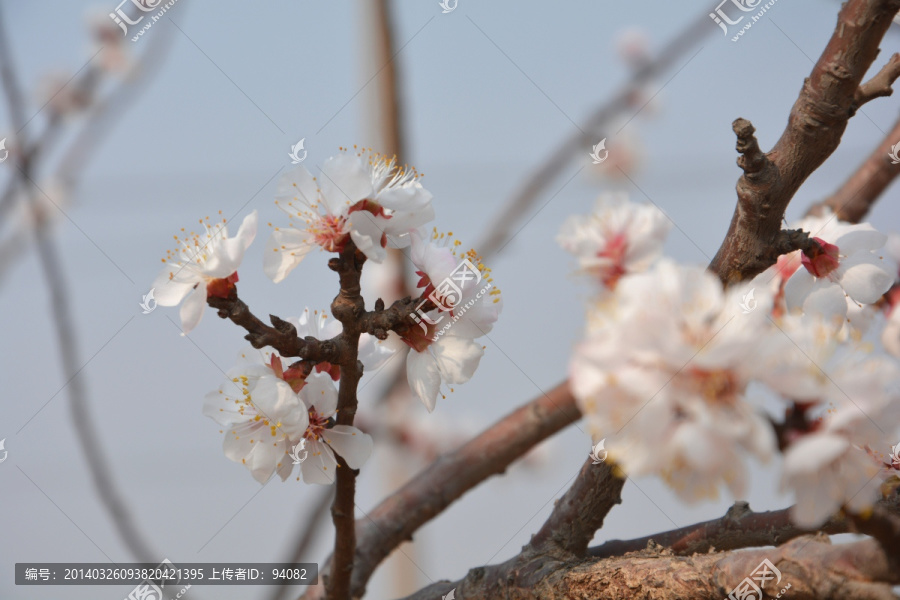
x=424 y=377
x=345 y=181
x=320 y=465
x=319 y=392
x=865 y=277
x=351 y=444
x=285 y=249
x=192 y=309
x=456 y=357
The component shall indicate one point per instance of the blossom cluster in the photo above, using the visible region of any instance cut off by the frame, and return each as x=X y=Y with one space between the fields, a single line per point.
x=269 y=409
x=674 y=366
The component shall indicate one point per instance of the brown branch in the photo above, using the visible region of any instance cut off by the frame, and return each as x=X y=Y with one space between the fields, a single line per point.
x=853 y=200
x=739 y=528
x=817 y=121
x=282 y=336
x=580 y=512
x=348 y=307
x=449 y=477
x=502 y=227
x=880 y=85
x=813 y=567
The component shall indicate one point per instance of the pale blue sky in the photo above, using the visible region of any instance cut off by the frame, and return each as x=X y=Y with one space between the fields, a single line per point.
x=489 y=89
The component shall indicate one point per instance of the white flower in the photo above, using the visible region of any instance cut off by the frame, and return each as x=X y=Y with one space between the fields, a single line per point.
x=618 y=238
x=665 y=382
x=363 y=197
x=205 y=265
x=372 y=352
x=847 y=269
x=442 y=342
x=262 y=414
x=354 y=446
x=834 y=466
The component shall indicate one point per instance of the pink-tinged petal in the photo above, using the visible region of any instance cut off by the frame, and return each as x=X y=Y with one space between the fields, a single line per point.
x=410 y=197
x=351 y=444
x=456 y=358
x=285 y=249
x=860 y=238
x=192 y=309
x=320 y=465
x=865 y=277
x=798 y=288
x=319 y=392
x=366 y=231
x=344 y=182
x=827 y=300
x=424 y=377
x=170 y=292
x=297 y=185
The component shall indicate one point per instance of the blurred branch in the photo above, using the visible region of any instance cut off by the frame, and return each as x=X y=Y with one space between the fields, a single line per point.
x=830 y=96
x=389 y=105
x=308 y=531
x=812 y=567
x=853 y=200
x=63 y=319
x=449 y=477
x=501 y=229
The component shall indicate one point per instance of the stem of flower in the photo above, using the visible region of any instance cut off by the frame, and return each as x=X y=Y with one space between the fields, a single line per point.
x=349 y=308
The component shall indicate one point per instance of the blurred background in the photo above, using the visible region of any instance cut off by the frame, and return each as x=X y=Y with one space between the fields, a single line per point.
x=220 y=92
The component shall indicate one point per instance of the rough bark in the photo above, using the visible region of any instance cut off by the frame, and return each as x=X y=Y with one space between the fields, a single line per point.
x=829 y=97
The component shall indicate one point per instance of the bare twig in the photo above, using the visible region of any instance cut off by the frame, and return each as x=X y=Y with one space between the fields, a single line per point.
x=830 y=96
x=580 y=512
x=853 y=200
x=502 y=228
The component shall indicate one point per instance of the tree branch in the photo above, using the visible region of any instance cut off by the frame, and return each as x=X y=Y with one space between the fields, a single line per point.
x=813 y=567
x=853 y=200
x=739 y=528
x=828 y=99
x=501 y=228
x=580 y=512
x=449 y=477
